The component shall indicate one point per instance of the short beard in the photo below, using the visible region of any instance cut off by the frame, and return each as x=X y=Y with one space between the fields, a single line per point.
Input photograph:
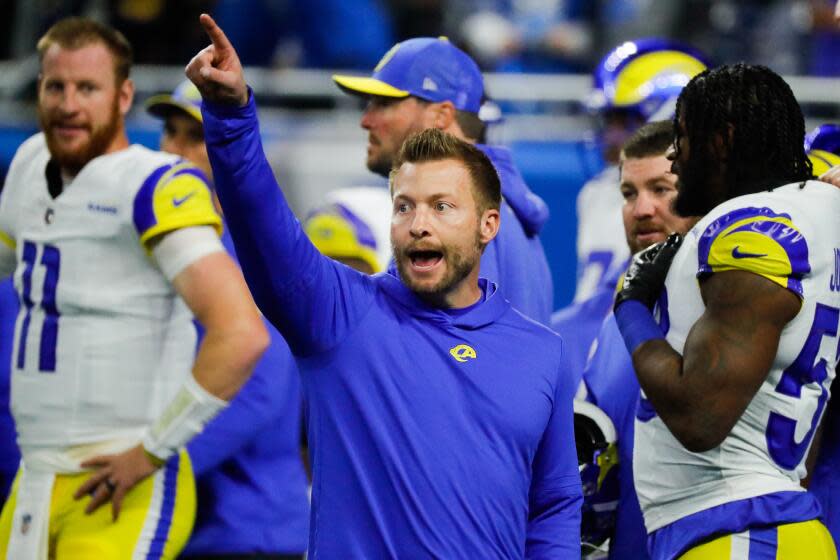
x=381 y=166
x=458 y=268
x=74 y=161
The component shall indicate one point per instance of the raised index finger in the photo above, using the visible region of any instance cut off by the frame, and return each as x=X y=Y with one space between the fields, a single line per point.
x=217 y=36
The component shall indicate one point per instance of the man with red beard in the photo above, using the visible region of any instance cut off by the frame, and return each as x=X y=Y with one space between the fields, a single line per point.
x=439 y=418
x=114 y=248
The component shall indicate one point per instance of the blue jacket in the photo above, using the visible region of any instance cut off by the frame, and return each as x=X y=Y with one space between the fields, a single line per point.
x=433 y=433
x=612 y=385
x=515 y=259
x=9 y=453
x=252 y=489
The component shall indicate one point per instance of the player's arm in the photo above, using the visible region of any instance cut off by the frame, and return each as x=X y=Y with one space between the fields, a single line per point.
x=727 y=356
x=177 y=223
x=312 y=300
x=555 y=496
x=751 y=262
x=215 y=291
x=269 y=393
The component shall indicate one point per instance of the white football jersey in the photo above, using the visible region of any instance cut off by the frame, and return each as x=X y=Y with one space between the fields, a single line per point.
x=102 y=341
x=601 y=243
x=792 y=237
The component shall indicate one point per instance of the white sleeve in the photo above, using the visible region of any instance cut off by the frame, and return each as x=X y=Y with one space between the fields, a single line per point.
x=179 y=249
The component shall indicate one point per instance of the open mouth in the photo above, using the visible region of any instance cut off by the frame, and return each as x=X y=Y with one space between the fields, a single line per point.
x=424 y=260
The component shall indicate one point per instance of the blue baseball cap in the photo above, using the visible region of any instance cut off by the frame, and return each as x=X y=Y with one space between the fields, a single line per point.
x=432 y=69
x=186 y=98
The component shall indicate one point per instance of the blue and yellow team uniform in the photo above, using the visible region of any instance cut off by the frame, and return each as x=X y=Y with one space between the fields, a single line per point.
x=744 y=495
x=432 y=432
x=101 y=345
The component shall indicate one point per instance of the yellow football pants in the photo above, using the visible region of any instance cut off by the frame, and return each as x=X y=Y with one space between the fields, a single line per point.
x=809 y=540
x=155 y=521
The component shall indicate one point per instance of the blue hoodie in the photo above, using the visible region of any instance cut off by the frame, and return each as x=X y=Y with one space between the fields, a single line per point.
x=251 y=486
x=433 y=433
x=515 y=260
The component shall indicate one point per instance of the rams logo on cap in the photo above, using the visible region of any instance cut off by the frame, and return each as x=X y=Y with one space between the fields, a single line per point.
x=463 y=352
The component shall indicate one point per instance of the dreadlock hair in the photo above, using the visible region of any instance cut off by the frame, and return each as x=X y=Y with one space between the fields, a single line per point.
x=754 y=111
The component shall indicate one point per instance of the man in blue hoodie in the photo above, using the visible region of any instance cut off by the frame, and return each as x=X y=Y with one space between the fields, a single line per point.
x=439 y=418
x=430 y=83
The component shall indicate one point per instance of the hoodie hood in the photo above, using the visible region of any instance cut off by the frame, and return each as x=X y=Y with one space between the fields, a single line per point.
x=486 y=312
x=529 y=208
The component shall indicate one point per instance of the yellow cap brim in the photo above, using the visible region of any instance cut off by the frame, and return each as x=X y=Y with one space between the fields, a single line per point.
x=357 y=85
x=161 y=105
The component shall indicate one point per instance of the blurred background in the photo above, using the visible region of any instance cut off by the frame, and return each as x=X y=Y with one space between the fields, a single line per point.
x=537 y=54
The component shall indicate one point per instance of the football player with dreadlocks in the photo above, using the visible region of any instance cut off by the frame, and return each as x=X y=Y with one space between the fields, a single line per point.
x=734 y=388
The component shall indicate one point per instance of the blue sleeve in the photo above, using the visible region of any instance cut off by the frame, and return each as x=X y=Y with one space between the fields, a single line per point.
x=262 y=400
x=313 y=301
x=556 y=495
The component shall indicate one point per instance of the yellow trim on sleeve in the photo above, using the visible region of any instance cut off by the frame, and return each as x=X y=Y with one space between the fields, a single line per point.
x=181 y=199
x=752 y=251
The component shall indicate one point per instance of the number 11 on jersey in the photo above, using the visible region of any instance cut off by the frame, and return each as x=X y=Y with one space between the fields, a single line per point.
x=51 y=261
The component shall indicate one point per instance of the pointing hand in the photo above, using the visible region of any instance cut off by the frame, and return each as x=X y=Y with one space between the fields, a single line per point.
x=216 y=70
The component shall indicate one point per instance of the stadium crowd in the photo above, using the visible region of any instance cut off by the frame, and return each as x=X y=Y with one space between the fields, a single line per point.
x=195 y=372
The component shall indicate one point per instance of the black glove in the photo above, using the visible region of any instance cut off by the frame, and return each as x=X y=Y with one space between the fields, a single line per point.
x=645 y=278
